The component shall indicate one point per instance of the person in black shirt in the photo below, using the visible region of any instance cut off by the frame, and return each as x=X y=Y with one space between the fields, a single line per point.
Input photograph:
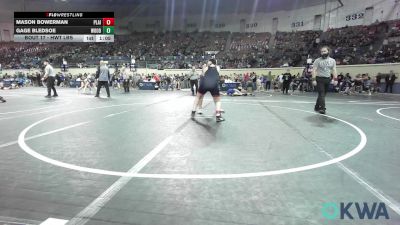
x=194 y=80
x=387 y=81
x=340 y=78
x=392 y=79
x=254 y=80
x=168 y=81
x=378 y=82
x=39 y=80
x=287 y=79
x=296 y=82
x=209 y=83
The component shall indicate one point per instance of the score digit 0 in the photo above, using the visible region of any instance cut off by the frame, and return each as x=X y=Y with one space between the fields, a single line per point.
x=108 y=30
x=108 y=21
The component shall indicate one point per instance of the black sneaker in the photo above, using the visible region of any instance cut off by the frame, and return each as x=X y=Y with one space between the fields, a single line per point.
x=55 y=96
x=2 y=99
x=47 y=96
x=316 y=108
x=219 y=119
x=322 y=111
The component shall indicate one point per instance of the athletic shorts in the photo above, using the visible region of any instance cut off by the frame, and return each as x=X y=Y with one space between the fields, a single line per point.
x=214 y=91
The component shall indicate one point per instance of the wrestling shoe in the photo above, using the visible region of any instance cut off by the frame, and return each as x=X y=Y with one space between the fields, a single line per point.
x=219 y=118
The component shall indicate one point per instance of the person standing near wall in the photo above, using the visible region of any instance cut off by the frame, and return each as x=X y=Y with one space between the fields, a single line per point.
x=168 y=81
x=287 y=79
x=125 y=77
x=323 y=67
x=103 y=75
x=378 y=79
x=268 y=81
x=194 y=80
x=254 y=81
x=392 y=79
x=387 y=81
x=50 y=76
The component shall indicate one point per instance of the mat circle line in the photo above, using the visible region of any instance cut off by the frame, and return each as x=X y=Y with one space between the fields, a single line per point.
x=384 y=115
x=30 y=151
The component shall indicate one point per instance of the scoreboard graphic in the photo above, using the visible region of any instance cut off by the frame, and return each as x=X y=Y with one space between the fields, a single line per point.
x=64 y=26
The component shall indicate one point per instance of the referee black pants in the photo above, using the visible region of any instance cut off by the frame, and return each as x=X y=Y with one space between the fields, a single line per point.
x=322 y=88
x=50 y=86
x=389 y=87
x=196 y=84
x=126 y=86
x=285 y=87
x=101 y=83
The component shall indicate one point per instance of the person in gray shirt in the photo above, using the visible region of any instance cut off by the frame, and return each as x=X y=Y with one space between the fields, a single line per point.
x=50 y=76
x=323 y=68
x=103 y=76
x=194 y=80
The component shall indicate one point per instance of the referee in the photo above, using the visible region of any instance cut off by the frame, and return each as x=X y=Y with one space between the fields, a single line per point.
x=51 y=78
x=103 y=76
x=323 y=67
x=194 y=80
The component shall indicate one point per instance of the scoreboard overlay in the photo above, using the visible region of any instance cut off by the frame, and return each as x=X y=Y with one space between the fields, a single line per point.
x=64 y=26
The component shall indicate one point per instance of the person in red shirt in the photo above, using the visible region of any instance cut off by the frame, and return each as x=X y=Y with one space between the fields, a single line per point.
x=246 y=77
x=157 y=79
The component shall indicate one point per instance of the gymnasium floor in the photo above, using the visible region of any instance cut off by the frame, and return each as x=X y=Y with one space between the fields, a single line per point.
x=139 y=159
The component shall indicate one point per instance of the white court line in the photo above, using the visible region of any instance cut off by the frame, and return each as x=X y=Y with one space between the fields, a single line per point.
x=61 y=129
x=93 y=208
x=54 y=221
x=114 y=114
x=29 y=114
x=45 y=133
x=379 y=112
x=393 y=204
x=100 y=107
